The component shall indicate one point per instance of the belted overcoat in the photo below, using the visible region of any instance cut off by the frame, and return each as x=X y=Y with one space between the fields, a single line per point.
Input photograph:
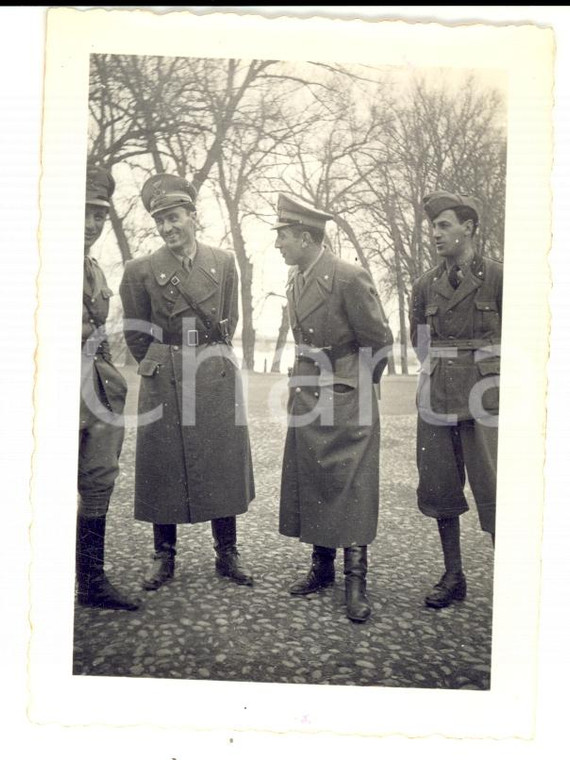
x=330 y=476
x=193 y=463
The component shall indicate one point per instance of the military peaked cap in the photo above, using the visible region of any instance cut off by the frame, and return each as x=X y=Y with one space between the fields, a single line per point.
x=291 y=211
x=165 y=191
x=100 y=186
x=440 y=200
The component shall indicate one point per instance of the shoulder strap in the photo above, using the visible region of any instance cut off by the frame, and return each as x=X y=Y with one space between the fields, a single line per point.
x=179 y=280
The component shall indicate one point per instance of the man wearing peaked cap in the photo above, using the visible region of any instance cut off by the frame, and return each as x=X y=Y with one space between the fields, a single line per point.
x=189 y=469
x=455 y=324
x=164 y=191
x=291 y=211
x=330 y=476
x=103 y=392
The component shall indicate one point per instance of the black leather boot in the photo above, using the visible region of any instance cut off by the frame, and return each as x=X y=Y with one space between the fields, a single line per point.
x=320 y=575
x=93 y=586
x=228 y=563
x=162 y=569
x=355 y=568
x=452 y=587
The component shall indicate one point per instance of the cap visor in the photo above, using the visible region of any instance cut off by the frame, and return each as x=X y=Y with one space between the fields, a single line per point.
x=283 y=224
x=97 y=202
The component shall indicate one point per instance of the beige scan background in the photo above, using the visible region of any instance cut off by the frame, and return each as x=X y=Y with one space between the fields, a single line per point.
x=55 y=698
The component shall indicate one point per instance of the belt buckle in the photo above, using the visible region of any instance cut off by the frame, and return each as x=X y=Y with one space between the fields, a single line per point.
x=192 y=338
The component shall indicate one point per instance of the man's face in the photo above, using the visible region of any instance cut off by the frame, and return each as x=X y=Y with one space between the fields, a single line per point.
x=449 y=234
x=291 y=247
x=176 y=227
x=94 y=220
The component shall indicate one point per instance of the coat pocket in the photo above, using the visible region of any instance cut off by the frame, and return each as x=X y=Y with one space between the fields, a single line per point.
x=487 y=317
x=484 y=396
x=491 y=366
x=149 y=368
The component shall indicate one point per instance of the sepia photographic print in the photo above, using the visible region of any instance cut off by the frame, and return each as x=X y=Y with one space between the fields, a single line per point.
x=290 y=482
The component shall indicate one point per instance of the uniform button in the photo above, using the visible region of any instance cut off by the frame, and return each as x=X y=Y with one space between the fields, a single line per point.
x=311 y=330
x=175 y=348
x=449 y=361
x=92 y=300
x=297 y=390
x=316 y=394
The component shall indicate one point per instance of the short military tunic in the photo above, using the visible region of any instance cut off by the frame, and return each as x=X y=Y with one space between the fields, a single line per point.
x=193 y=463
x=458 y=389
x=330 y=477
x=103 y=394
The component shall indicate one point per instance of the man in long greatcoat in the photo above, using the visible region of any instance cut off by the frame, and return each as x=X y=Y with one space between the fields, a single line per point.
x=103 y=394
x=193 y=459
x=455 y=325
x=330 y=477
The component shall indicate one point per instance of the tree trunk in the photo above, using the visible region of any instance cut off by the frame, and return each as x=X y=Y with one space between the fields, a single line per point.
x=247 y=330
x=122 y=241
x=398 y=250
x=346 y=227
x=246 y=282
x=281 y=340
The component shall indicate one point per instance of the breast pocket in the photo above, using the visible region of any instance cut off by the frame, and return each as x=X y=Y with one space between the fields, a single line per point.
x=486 y=317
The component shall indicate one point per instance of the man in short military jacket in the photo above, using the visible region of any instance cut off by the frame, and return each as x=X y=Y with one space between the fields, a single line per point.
x=456 y=330
x=103 y=393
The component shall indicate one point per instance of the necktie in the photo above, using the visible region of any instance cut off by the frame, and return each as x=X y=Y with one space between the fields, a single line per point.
x=187 y=263
x=455 y=276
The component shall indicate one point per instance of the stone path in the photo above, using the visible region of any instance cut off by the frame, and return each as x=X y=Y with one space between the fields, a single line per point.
x=201 y=626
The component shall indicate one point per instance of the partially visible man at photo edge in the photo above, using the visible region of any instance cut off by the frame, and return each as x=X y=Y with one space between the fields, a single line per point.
x=455 y=324
x=103 y=392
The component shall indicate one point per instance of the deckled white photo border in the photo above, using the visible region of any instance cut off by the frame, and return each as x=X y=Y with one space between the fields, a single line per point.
x=507 y=710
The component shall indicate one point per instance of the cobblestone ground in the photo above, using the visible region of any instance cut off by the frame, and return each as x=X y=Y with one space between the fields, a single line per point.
x=201 y=626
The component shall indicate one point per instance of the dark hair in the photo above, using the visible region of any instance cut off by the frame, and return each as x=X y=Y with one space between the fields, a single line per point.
x=464 y=213
x=317 y=236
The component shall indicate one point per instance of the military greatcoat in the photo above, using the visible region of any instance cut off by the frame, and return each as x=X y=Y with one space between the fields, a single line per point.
x=330 y=477
x=192 y=468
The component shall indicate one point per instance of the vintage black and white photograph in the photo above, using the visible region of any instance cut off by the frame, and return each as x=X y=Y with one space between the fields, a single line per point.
x=287 y=384
x=385 y=183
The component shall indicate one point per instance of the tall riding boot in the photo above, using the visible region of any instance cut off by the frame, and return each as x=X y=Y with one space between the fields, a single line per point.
x=321 y=572
x=452 y=586
x=355 y=567
x=93 y=587
x=162 y=569
x=227 y=556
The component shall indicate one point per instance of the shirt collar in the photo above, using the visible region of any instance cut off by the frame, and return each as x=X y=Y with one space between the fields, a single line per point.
x=310 y=268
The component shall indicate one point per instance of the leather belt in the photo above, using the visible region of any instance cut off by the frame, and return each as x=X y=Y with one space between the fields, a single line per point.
x=471 y=344
x=190 y=338
x=316 y=353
